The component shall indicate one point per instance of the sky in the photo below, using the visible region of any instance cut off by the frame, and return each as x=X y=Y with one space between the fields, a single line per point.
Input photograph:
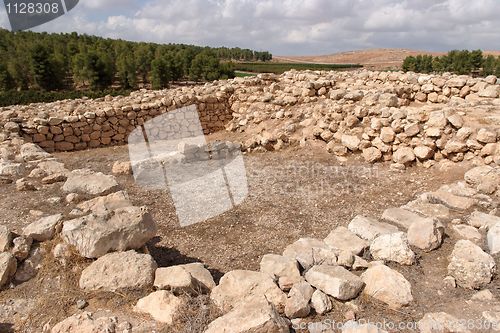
x=290 y=27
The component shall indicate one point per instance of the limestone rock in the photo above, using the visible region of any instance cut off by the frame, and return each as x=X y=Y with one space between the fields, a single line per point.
x=5 y=238
x=280 y=267
x=320 y=302
x=190 y=278
x=392 y=247
x=404 y=155
x=368 y=228
x=122 y=168
x=91 y=183
x=297 y=303
x=452 y=201
x=8 y=267
x=467 y=232
x=30 y=267
x=343 y=239
x=86 y=323
x=21 y=247
x=428 y=209
x=423 y=152
x=401 y=217
x=355 y=327
x=351 y=142
x=372 y=154
x=426 y=234
x=94 y=236
x=32 y=152
x=255 y=316
x=482 y=220
x=44 y=229
x=438 y=322
x=161 y=305
x=388 y=286
x=310 y=251
x=493 y=238
x=119 y=271
x=335 y=281
x=470 y=266
x=105 y=204
x=241 y=286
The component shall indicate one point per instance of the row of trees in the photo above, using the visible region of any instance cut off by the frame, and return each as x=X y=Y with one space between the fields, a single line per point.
x=49 y=62
x=458 y=62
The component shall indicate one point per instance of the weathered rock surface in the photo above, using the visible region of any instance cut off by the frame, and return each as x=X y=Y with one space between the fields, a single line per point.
x=33 y=152
x=105 y=204
x=5 y=238
x=452 y=201
x=441 y=322
x=8 y=266
x=426 y=234
x=467 y=232
x=392 y=247
x=343 y=239
x=255 y=316
x=88 y=182
x=482 y=220
x=401 y=217
x=493 y=239
x=30 y=267
x=388 y=286
x=44 y=229
x=94 y=236
x=284 y=269
x=335 y=281
x=368 y=228
x=119 y=271
x=86 y=323
x=161 y=305
x=241 y=286
x=190 y=278
x=470 y=266
x=310 y=251
x=297 y=303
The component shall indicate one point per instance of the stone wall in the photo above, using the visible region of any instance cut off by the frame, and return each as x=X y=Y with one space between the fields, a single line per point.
x=233 y=104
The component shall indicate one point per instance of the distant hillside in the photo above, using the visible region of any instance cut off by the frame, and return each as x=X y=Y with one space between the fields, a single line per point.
x=371 y=58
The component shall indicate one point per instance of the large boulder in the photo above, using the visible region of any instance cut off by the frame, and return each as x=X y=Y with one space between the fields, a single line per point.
x=484 y=178
x=240 y=286
x=470 y=266
x=403 y=155
x=257 y=315
x=8 y=266
x=90 y=183
x=393 y=247
x=451 y=200
x=343 y=239
x=94 y=236
x=119 y=271
x=311 y=251
x=388 y=286
x=161 y=305
x=368 y=228
x=44 y=229
x=335 y=281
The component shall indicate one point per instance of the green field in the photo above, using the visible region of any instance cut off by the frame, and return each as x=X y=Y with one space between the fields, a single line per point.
x=281 y=67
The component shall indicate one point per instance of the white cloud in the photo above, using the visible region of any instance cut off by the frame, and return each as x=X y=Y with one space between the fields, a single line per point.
x=292 y=26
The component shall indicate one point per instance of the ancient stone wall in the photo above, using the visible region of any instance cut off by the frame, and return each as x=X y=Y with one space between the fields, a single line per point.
x=81 y=124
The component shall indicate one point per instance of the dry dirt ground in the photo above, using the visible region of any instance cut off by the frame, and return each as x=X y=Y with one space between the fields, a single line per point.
x=292 y=194
x=370 y=58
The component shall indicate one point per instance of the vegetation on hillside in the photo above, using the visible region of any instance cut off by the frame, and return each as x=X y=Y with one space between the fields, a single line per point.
x=458 y=62
x=279 y=68
x=48 y=62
